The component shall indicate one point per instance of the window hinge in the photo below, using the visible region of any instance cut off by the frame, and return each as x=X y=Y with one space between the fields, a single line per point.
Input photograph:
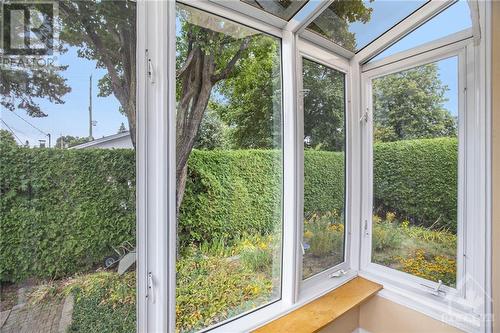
x=151 y=288
x=151 y=72
x=337 y=274
x=366 y=228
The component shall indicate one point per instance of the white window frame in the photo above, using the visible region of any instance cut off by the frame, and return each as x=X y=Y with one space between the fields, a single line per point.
x=156 y=222
x=461 y=302
x=326 y=279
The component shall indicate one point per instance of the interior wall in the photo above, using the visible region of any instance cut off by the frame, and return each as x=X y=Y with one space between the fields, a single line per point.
x=380 y=315
x=495 y=114
x=347 y=323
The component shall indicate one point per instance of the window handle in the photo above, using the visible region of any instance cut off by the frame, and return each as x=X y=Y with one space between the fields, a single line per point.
x=151 y=288
x=437 y=290
x=151 y=71
x=338 y=274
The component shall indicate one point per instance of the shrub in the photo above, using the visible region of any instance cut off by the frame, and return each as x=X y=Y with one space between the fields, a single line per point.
x=418 y=180
x=231 y=193
x=256 y=253
x=62 y=210
x=386 y=234
x=323 y=181
x=324 y=234
x=104 y=303
x=432 y=268
x=211 y=289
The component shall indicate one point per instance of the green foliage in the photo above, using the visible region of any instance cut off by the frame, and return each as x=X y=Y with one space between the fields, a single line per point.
x=410 y=105
x=104 y=303
x=386 y=235
x=334 y=22
x=67 y=141
x=418 y=180
x=212 y=133
x=324 y=233
x=323 y=181
x=324 y=106
x=250 y=101
x=62 y=210
x=7 y=138
x=231 y=193
x=211 y=289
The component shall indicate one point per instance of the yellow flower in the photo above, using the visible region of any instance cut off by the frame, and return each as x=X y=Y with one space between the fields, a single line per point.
x=390 y=216
x=308 y=234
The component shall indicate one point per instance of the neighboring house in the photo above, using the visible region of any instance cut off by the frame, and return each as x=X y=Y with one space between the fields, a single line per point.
x=120 y=140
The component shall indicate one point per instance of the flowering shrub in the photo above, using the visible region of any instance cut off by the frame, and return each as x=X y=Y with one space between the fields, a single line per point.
x=432 y=268
x=324 y=233
x=386 y=233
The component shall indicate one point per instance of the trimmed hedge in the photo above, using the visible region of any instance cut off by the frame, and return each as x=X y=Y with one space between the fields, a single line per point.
x=418 y=180
x=229 y=193
x=63 y=210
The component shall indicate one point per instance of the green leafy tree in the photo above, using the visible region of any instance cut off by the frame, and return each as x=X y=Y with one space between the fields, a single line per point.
x=68 y=141
x=410 y=105
x=334 y=21
x=212 y=133
x=250 y=101
x=324 y=107
x=122 y=128
x=7 y=138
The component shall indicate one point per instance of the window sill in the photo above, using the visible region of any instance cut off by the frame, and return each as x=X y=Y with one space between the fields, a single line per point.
x=441 y=309
x=320 y=312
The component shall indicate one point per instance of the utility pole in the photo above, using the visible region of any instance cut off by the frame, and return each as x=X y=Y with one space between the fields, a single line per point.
x=90 y=110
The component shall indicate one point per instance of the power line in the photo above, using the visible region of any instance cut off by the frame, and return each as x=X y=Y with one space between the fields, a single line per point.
x=10 y=130
x=27 y=122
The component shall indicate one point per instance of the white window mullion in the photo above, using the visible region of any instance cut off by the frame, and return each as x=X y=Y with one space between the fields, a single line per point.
x=290 y=157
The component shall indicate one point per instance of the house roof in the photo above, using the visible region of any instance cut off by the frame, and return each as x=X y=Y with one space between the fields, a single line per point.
x=99 y=141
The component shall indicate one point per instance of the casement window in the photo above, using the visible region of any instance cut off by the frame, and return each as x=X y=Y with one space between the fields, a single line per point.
x=436 y=165
x=282 y=148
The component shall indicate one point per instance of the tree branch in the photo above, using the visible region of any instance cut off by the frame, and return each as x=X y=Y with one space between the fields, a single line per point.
x=226 y=71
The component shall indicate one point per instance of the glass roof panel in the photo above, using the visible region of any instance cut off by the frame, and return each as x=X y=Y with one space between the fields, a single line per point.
x=356 y=23
x=284 y=9
x=453 y=19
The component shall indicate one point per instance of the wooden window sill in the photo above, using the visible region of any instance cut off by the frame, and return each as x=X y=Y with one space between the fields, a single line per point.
x=320 y=312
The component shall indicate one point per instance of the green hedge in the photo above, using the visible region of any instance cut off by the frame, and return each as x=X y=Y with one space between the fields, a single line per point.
x=62 y=210
x=418 y=180
x=229 y=193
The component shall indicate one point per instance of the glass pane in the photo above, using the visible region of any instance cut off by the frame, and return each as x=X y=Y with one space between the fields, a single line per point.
x=324 y=167
x=229 y=169
x=67 y=176
x=284 y=9
x=454 y=19
x=355 y=24
x=415 y=168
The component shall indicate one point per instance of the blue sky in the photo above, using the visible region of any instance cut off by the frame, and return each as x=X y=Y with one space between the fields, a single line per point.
x=71 y=118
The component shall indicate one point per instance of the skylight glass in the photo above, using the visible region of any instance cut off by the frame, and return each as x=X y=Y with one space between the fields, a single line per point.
x=355 y=24
x=453 y=19
x=284 y=9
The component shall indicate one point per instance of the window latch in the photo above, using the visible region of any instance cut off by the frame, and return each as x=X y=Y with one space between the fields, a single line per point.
x=366 y=228
x=337 y=274
x=151 y=288
x=151 y=71
x=437 y=290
